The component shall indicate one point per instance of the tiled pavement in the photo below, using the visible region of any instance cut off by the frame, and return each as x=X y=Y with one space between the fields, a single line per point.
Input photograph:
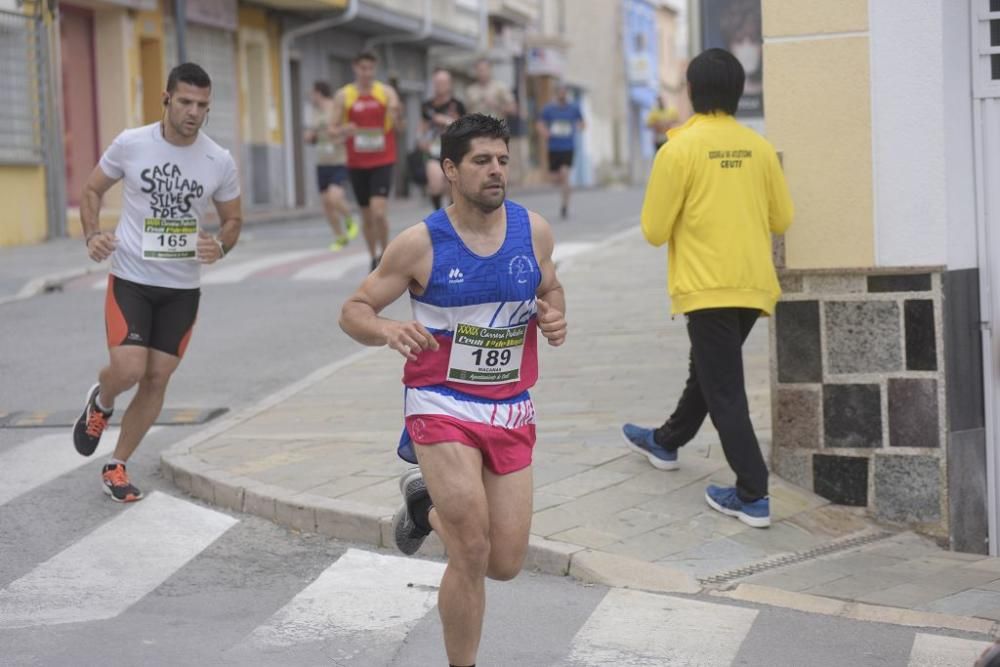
x=321 y=456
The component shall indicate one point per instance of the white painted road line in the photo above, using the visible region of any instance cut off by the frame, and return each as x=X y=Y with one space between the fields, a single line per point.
x=937 y=651
x=637 y=628
x=565 y=250
x=334 y=269
x=36 y=462
x=234 y=273
x=114 y=566
x=362 y=594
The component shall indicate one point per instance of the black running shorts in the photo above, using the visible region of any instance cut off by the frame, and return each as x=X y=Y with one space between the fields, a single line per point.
x=560 y=159
x=160 y=318
x=368 y=183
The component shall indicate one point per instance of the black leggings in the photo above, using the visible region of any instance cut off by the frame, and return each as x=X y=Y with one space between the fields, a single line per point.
x=715 y=387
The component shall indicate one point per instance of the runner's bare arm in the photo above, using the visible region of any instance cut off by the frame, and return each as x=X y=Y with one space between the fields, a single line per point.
x=231 y=222
x=425 y=130
x=543 y=129
x=550 y=295
x=100 y=244
x=507 y=102
x=338 y=124
x=394 y=108
x=333 y=117
x=405 y=264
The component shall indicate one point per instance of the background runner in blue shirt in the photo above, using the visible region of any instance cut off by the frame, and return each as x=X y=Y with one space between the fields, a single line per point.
x=560 y=122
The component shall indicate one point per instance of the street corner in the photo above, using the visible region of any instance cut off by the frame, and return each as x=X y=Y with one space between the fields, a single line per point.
x=617 y=571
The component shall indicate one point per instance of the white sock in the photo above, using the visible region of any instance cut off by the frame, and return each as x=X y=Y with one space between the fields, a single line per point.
x=97 y=402
x=115 y=462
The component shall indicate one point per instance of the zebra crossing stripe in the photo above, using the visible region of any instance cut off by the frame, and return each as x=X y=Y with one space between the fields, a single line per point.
x=234 y=273
x=938 y=651
x=636 y=628
x=96 y=578
x=41 y=460
x=332 y=270
x=362 y=594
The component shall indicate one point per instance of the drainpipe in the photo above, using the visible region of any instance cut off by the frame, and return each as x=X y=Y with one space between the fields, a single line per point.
x=180 y=29
x=984 y=242
x=286 y=86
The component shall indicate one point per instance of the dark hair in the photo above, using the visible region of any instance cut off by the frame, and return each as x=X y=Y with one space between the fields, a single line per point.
x=188 y=73
x=456 y=140
x=365 y=55
x=716 y=78
x=323 y=88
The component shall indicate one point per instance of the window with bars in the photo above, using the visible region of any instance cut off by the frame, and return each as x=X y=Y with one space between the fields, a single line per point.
x=20 y=132
x=990 y=39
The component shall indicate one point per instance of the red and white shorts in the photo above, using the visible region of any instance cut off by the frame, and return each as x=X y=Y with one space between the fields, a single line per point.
x=504 y=431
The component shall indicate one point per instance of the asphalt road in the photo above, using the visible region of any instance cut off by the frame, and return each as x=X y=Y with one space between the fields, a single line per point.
x=170 y=581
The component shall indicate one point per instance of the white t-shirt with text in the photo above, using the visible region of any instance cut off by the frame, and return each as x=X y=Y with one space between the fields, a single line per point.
x=167 y=191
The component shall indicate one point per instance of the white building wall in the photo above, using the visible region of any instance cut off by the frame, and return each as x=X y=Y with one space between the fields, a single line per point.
x=908 y=137
x=959 y=155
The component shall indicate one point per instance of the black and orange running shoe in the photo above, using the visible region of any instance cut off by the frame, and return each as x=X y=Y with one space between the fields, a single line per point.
x=91 y=424
x=117 y=486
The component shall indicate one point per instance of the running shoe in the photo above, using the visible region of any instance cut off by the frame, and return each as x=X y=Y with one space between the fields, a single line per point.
x=641 y=440
x=352 y=227
x=339 y=244
x=414 y=510
x=756 y=514
x=90 y=426
x=117 y=485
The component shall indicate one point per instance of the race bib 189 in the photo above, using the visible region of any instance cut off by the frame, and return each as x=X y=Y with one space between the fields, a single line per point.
x=484 y=355
x=164 y=240
x=369 y=141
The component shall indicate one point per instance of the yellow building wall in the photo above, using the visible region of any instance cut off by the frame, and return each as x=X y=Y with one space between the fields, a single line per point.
x=818 y=114
x=26 y=222
x=274 y=44
x=786 y=18
x=257 y=19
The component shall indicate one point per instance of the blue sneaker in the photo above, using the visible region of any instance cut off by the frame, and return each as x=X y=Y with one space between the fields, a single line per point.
x=725 y=499
x=641 y=440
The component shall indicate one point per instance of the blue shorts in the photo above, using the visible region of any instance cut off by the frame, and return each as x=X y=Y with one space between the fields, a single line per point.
x=330 y=174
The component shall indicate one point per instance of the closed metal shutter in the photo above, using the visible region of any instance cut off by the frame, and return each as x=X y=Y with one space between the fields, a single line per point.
x=215 y=51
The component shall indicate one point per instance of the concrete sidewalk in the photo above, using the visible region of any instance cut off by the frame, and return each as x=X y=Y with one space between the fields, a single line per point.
x=320 y=456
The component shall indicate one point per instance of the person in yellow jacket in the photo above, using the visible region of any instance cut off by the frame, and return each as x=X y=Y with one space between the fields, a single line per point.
x=660 y=119
x=716 y=194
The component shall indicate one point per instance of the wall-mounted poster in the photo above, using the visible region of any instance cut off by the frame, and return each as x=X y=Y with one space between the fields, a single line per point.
x=735 y=25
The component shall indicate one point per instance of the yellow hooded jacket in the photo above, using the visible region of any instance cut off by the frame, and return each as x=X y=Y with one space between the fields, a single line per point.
x=715 y=195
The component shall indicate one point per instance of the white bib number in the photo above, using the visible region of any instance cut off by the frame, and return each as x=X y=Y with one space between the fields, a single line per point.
x=169 y=240
x=562 y=128
x=483 y=355
x=369 y=141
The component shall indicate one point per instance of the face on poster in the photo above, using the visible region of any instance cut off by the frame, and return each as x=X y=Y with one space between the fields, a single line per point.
x=735 y=25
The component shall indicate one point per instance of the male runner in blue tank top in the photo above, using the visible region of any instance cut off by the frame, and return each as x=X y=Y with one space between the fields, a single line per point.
x=481 y=281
